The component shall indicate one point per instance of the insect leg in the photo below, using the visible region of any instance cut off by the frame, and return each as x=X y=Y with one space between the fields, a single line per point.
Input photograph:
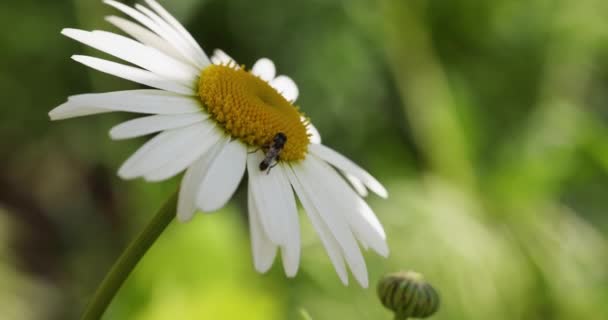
x=272 y=166
x=265 y=146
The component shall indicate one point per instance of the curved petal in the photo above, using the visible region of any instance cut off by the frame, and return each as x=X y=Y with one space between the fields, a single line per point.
x=151 y=124
x=190 y=184
x=356 y=184
x=192 y=53
x=137 y=101
x=329 y=241
x=134 y=74
x=264 y=250
x=136 y=53
x=270 y=197
x=186 y=157
x=159 y=27
x=70 y=110
x=278 y=214
x=286 y=87
x=341 y=162
x=144 y=36
x=179 y=28
x=161 y=149
x=222 y=177
x=355 y=210
x=290 y=251
x=264 y=68
x=324 y=200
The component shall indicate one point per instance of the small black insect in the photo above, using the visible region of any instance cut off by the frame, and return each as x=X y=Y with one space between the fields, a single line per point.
x=273 y=152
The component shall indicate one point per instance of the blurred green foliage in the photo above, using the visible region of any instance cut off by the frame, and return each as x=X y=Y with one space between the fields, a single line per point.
x=487 y=121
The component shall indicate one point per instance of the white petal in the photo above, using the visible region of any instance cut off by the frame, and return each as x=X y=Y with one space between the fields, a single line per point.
x=356 y=183
x=331 y=245
x=220 y=57
x=325 y=201
x=313 y=133
x=144 y=35
x=172 y=35
x=152 y=124
x=264 y=250
x=285 y=86
x=67 y=110
x=133 y=74
x=355 y=211
x=341 y=162
x=290 y=251
x=161 y=149
x=139 y=101
x=136 y=53
x=265 y=69
x=180 y=30
x=223 y=177
x=186 y=205
x=276 y=205
x=167 y=34
x=186 y=157
x=270 y=197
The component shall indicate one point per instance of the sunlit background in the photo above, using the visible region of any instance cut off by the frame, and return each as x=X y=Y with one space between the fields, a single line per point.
x=486 y=120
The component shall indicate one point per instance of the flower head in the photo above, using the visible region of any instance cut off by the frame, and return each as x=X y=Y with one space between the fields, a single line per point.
x=216 y=120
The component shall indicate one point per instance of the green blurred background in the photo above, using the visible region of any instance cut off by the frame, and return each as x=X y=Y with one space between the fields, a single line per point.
x=486 y=120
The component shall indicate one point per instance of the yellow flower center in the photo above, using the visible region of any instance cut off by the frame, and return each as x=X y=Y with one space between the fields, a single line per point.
x=249 y=109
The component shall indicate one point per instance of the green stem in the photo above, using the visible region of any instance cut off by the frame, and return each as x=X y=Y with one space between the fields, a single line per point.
x=129 y=259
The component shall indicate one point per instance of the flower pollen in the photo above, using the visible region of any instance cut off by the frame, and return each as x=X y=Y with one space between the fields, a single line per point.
x=249 y=109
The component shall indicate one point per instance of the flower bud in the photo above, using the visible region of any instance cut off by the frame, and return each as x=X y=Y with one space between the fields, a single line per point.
x=408 y=295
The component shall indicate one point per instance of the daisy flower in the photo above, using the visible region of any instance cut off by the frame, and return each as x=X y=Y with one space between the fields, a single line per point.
x=216 y=120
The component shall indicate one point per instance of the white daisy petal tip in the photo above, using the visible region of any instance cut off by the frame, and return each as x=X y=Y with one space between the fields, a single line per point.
x=382 y=249
x=114 y=135
x=55 y=115
x=71 y=110
x=291 y=260
x=291 y=273
x=124 y=173
x=220 y=57
x=260 y=266
x=313 y=133
x=264 y=68
x=380 y=190
x=263 y=249
x=364 y=282
x=111 y=18
x=356 y=184
x=343 y=163
x=72 y=32
x=286 y=87
x=184 y=217
x=384 y=253
x=78 y=57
